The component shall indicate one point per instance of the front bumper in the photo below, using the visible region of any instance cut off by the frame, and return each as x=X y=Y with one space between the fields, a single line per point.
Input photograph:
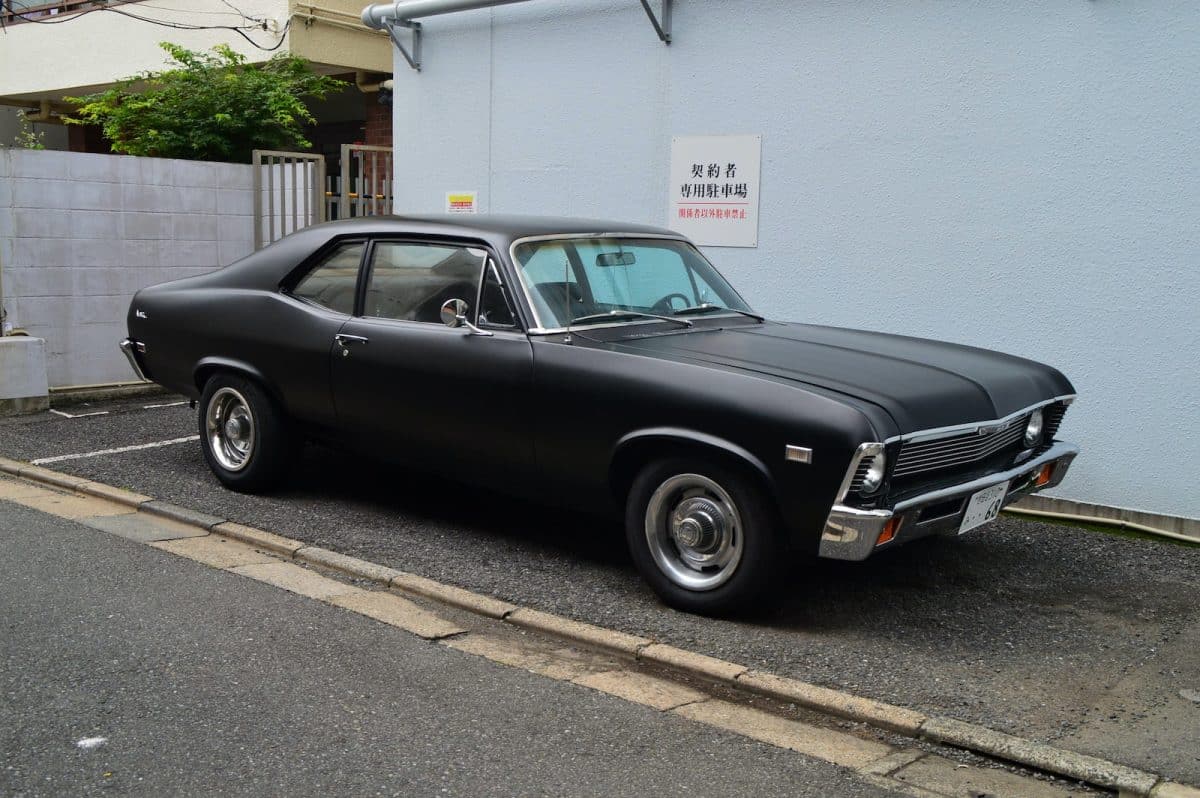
x=132 y=349
x=853 y=534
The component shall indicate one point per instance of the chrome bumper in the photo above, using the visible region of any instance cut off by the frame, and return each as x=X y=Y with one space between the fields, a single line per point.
x=132 y=348
x=852 y=534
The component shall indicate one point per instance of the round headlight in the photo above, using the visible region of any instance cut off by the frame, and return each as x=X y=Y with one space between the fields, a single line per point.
x=1033 y=430
x=873 y=479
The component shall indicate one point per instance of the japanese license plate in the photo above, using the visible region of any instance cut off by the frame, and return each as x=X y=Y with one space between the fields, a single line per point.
x=983 y=507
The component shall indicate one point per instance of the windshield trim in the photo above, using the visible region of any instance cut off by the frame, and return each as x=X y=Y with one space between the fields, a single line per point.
x=538 y=329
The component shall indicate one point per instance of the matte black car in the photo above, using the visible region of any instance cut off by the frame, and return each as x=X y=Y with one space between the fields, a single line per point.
x=608 y=367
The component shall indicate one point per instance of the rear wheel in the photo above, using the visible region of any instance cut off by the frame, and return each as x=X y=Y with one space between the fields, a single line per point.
x=244 y=436
x=703 y=536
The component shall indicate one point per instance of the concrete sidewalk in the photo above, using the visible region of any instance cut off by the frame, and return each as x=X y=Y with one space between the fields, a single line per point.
x=127 y=669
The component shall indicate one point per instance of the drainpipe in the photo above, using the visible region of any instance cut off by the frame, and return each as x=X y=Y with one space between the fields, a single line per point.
x=42 y=114
x=360 y=80
x=379 y=15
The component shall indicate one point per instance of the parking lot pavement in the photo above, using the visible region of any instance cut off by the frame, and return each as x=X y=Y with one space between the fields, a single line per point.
x=1055 y=633
x=126 y=670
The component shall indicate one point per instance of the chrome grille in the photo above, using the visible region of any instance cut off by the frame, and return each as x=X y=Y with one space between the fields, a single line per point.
x=1054 y=416
x=968 y=447
x=860 y=474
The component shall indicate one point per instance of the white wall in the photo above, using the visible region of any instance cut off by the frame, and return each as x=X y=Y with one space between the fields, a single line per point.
x=1021 y=175
x=80 y=233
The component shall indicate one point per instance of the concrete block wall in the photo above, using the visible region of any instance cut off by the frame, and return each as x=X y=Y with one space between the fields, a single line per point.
x=80 y=233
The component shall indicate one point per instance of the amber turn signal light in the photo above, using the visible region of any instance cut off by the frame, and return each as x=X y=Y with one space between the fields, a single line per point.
x=889 y=531
x=1043 y=477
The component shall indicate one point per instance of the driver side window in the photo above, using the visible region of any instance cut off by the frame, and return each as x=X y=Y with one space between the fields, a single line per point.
x=410 y=281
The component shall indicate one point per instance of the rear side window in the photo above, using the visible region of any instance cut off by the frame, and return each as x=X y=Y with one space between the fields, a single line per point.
x=409 y=282
x=331 y=282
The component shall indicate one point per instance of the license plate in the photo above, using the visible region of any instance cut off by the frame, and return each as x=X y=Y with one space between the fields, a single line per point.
x=983 y=507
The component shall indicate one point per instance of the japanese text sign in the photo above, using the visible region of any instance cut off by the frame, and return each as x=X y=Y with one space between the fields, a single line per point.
x=714 y=189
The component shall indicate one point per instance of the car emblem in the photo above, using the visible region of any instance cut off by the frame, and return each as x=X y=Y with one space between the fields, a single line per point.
x=985 y=431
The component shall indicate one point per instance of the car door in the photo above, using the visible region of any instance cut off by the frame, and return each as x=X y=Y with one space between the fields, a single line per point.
x=296 y=328
x=411 y=388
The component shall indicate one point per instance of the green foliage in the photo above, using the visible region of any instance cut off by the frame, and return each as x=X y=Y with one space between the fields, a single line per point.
x=27 y=138
x=208 y=107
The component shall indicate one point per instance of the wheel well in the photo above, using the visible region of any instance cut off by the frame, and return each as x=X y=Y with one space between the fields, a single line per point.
x=206 y=371
x=633 y=457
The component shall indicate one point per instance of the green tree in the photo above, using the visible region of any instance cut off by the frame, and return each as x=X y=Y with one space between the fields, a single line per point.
x=208 y=106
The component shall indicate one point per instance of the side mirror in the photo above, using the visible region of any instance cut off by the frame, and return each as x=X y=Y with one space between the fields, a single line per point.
x=454 y=312
x=454 y=315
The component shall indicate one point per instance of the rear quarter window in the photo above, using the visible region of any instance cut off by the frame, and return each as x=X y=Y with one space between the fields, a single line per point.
x=331 y=282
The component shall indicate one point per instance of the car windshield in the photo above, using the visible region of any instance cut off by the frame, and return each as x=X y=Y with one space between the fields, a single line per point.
x=620 y=280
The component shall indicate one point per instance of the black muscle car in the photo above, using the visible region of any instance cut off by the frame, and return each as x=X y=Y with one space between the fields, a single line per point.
x=608 y=367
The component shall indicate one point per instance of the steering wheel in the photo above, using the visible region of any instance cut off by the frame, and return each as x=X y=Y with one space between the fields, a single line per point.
x=664 y=306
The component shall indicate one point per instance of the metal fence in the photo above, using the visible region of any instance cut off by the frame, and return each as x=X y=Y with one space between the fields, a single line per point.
x=364 y=187
x=288 y=188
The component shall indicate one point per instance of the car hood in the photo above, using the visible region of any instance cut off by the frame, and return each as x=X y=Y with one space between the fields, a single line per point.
x=922 y=384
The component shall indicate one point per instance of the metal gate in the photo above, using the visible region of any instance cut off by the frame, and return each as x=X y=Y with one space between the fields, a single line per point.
x=288 y=193
x=365 y=185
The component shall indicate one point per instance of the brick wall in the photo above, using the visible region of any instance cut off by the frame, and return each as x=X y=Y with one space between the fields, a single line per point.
x=379 y=122
x=79 y=233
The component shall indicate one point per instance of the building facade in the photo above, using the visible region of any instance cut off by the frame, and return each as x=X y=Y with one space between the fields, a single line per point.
x=54 y=50
x=1019 y=176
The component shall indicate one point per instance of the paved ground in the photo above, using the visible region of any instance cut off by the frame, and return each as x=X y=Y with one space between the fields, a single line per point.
x=1060 y=634
x=203 y=682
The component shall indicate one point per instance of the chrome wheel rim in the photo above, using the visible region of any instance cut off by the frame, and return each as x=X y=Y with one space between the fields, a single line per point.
x=694 y=532
x=230 y=429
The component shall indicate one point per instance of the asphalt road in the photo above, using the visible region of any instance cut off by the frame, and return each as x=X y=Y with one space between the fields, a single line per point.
x=192 y=681
x=1056 y=633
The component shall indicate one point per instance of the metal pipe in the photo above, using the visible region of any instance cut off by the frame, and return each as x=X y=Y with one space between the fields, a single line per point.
x=1112 y=522
x=360 y=81
x=380 y=15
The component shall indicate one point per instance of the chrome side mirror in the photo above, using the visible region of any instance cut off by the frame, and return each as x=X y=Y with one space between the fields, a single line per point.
x=454 y=314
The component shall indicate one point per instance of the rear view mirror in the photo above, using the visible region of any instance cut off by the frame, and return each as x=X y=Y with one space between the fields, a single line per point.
x=616 y=259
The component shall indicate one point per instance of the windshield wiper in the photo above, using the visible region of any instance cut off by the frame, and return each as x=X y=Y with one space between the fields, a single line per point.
x=708 y=307
x=629 y=314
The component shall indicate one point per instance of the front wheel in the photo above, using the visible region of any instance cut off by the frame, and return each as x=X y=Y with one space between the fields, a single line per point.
x=703 y=536
x=244 y=436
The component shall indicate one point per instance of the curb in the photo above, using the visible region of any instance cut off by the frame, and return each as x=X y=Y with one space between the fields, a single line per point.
x=948 y=731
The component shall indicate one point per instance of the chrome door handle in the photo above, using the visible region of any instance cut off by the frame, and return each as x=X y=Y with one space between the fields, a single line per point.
x=347 y=340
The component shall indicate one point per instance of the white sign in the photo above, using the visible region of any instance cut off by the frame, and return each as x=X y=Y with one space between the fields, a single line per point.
x=462 y=202
x=714 y=189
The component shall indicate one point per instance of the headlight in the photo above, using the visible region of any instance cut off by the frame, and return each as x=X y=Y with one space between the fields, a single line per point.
x=873 y=479
x=1033 y=430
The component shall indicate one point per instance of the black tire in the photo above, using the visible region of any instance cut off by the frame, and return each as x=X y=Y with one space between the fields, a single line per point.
x=750 y=581
x=261 y=457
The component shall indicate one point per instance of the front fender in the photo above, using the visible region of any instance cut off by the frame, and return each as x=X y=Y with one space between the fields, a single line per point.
x=689 y=437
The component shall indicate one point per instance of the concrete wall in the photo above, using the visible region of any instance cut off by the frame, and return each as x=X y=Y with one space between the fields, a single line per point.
x=79 y=233
x=1023 y=176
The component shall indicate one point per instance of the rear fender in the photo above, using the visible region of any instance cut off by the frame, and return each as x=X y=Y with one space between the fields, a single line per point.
x=210 y=365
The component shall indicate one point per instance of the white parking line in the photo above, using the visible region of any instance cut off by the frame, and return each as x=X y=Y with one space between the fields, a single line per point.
x=168 y=404
x=118 y=450
x=79 y=415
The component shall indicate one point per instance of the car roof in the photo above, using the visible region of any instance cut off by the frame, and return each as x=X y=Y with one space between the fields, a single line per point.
x=499 y=229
